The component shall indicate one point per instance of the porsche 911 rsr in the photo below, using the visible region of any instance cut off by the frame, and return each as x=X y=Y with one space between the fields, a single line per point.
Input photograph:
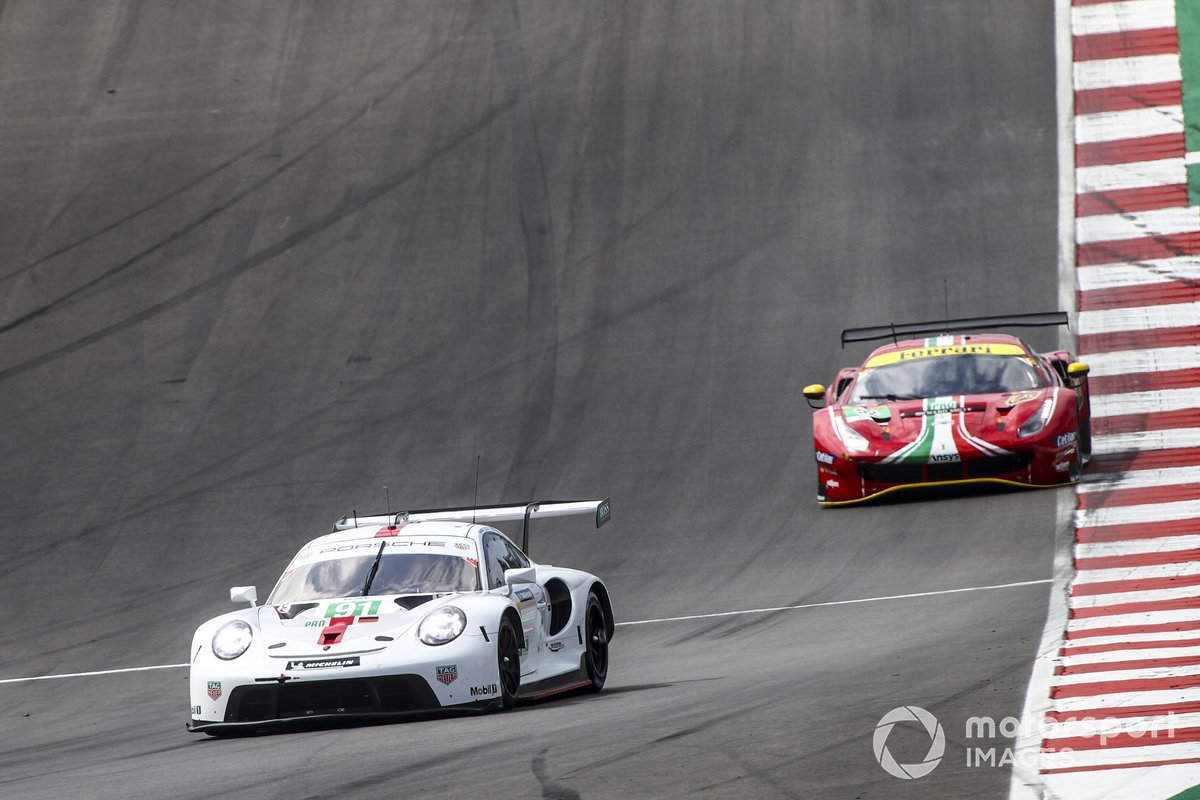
x=950 y=409
x=402 y=613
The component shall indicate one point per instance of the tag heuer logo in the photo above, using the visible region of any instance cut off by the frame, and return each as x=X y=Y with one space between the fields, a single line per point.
x=448 y=675
x=214 y=690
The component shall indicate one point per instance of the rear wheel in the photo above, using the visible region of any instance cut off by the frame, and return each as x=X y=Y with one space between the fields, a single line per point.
x=508 y=662
x=596 y=643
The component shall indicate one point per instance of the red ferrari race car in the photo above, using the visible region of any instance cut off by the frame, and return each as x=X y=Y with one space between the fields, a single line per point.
x=951 y=409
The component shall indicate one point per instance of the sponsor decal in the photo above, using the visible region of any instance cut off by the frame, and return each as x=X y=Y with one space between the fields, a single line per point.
x=214 y=690
x=523 y=595
x=373 y=545
x=995 y=348
x=832 y=484
x=195 y=711
x=462 y=545
x=603 y=513
x=1062 y=466
x=876 y=413
x=1065 y=439
x=554 y=647
x=487 y=690
x=315 y=623
x=352 y=608
x=367 y=619
x=944 y=457
x=447 y=674
x=324 y=663
x=940 y=408
x=825 y=458
x=1021 y=397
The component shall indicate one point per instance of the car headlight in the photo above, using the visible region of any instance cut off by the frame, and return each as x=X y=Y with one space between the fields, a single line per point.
x=232 y=640
x=441 y=626
x=1038 y=421
x=850 y=437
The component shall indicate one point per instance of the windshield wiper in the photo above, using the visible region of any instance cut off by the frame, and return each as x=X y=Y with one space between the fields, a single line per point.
x=374 y=568
x=890 y=397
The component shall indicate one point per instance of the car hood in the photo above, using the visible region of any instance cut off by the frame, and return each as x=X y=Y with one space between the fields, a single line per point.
x=944 y=428
x=343 y=624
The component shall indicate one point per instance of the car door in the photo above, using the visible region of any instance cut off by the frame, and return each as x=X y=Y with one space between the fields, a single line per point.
x=530 y=598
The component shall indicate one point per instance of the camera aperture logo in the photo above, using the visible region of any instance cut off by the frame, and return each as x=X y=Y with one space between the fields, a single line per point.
x=937 y=742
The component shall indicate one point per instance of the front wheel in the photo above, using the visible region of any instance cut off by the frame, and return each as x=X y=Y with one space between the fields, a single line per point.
x=596 y=642
x=508 y=663
x=1084 y=439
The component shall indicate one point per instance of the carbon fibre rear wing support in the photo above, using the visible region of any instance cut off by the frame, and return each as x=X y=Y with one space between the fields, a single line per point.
x=538 y=509
x=894 y=332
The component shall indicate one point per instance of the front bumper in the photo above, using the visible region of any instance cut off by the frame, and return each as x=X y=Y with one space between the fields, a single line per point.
x=268 y=705
x=260 y=690
x=847 y=481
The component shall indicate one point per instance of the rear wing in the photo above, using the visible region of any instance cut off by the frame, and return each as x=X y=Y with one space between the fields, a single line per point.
x=537 y=509
x=894 y=332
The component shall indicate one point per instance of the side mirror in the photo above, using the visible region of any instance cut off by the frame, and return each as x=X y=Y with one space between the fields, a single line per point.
x=244 y=594
x=815 y=395
x=514 y=576
x=1077 y=371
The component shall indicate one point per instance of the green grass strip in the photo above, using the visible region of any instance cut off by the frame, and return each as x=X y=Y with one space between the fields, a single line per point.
x=1194 y=792
x=1187 y=20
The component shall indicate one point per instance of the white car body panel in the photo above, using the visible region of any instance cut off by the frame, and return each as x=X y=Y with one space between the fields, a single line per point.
x=370 y=645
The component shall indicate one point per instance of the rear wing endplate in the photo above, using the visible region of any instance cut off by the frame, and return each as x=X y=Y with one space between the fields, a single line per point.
x=538 y=509
x=895 y=331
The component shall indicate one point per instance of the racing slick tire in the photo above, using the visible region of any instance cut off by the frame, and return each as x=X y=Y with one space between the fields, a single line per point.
x=596 y=642
x=1084 y=436
x=508 y=661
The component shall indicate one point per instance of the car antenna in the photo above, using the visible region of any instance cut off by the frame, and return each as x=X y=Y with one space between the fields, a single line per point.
x=387 y=498
x=475 y=503
x=946 y=304
x=355 y=511
x=894 y=339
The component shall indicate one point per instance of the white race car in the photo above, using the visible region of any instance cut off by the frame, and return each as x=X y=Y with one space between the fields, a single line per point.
x=401 y=613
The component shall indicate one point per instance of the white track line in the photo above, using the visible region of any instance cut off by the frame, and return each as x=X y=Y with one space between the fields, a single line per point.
x=632 y=622
x=1140 y=479
x=1154 y=359
x=1123 y=598
x=1111 y=126
x=1173 y=439
x=89 y=674
x=1134 y=71
x=1165 y=638
x=1136 y=224
x=1141 y=273
x=1133 y=15
x=1128 y=515
x=1130 y=656
x=838 y=602
x=1160 y=544
x=1175 y=315
x=1116 y=701
x=1149 y=402
x=1137 y=175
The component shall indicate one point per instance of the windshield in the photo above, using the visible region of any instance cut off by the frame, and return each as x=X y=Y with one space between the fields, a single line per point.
x=944 y=376
x=399 y=573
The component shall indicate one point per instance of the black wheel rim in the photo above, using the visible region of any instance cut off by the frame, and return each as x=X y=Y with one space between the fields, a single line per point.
x=510 y=666
x=597 y=641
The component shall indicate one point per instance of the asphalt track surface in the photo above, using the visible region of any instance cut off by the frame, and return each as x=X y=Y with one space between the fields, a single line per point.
x=258 y=260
